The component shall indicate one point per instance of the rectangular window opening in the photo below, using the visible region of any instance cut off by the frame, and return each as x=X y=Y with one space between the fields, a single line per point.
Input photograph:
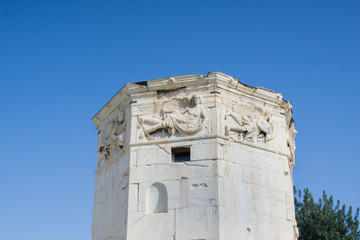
x=180 y=154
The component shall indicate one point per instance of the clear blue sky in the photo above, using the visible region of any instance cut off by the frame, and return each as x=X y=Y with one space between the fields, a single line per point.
x=61 y=61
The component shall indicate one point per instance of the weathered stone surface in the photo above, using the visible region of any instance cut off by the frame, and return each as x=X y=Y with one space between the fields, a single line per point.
x=197 y=223
x=151 y=226
x=193 y=158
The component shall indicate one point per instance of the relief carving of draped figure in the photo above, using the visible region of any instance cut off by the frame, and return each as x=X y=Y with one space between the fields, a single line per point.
x=185 y=115
x=291 y=143
x=112 y=137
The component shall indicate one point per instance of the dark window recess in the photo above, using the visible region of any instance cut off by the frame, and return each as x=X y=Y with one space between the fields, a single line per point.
x=142 y=83
x=181 y=154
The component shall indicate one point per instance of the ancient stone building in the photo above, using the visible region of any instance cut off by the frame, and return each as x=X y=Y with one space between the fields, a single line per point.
x=194 y=157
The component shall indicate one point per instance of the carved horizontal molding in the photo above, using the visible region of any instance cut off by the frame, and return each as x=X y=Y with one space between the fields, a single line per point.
x=222 y=140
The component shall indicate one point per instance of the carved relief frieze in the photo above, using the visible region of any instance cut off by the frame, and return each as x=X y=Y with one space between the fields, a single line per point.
x=112 y=137
x=255 y=125
x=178 y=115
x=291 y=143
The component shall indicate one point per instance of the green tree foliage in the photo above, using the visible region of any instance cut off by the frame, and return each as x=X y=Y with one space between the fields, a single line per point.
x=324 y=220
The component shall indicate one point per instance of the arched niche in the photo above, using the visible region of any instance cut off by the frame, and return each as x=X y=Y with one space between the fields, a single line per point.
x=156 y=199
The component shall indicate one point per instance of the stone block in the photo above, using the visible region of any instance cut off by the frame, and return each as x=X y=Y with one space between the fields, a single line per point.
x=275 y=228
x=290 y=209
x=254 y=176
x=197 y=223
x=227 y=169
x=235 y=152
x=273 y=203
x=173 y=171
x=109 y=217
x=244 y=198
x=159 y=226
x=134 y=196
x=205 y=150
x=244 y=226
x=151 y=155
x=202 y=192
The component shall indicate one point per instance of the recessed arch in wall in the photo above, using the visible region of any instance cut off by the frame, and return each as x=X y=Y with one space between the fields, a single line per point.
x=156 y=199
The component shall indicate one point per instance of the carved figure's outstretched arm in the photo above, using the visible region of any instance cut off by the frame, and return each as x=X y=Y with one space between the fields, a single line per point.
x=150 y=120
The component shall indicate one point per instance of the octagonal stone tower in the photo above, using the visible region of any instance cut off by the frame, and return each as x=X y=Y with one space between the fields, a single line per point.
x=194 y=157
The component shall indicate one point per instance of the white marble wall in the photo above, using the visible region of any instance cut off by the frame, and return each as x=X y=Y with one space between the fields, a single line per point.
x=238 y=183
x=192 y=189
x=111 y=200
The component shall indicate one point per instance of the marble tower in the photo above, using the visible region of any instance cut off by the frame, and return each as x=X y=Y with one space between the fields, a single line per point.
x=192 y=158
